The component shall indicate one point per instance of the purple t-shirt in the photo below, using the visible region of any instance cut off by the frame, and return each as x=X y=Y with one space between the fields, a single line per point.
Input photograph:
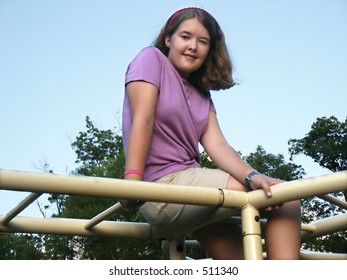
x=181 y=115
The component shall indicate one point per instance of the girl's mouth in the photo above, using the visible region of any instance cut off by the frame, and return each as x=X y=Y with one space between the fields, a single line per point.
x=190 y=57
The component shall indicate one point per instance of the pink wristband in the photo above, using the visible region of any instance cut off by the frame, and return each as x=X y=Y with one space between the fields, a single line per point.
x=133 y=171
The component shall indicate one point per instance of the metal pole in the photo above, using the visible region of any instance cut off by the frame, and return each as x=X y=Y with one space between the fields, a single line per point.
x=175 y=249
x=64 y=226
x=104 y=215
x=326 y=226
x=19 y=208
x=251 y=232
x=146 y=191
x=334 y=200
x=116 y=188
x=298 y=189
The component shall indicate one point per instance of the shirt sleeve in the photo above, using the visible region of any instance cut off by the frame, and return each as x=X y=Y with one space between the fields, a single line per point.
x=146 y=66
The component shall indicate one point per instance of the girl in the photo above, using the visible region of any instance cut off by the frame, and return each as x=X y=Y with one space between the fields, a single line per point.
x=168 y=111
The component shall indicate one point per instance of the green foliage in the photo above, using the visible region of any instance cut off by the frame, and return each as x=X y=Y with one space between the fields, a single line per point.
x=274 y=165
x=20 y=247
x=331 y=243
x=326 y=144
x=206 y=162
x=61 y=247
x=100 y=152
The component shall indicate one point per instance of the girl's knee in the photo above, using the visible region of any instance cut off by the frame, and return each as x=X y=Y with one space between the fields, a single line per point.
x=291 y=209
x=295 y=206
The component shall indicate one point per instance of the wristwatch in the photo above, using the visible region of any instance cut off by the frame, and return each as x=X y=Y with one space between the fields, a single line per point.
x=248 y=178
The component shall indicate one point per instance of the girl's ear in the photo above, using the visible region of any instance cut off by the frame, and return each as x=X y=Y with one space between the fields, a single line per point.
x=168 y=41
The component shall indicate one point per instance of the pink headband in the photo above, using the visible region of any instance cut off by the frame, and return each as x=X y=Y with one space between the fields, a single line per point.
x=180 y=11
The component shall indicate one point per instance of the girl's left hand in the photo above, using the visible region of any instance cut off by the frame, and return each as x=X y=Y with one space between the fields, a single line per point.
x=260 y=181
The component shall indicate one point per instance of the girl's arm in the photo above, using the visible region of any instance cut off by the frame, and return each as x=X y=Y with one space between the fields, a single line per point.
x=143 y=98
x=221 y=153
x=227 y=159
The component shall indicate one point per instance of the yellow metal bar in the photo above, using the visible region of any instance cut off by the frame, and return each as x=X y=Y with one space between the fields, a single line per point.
x=19 y=208
x=298 y=189
x=334 y=200
x=252 y=242
x=248 y=203
x=104 y=215
x=327 y=226
x=174 y=249
x=237 y=220
x=64 y=226
x=106 y=187
x=308 y=227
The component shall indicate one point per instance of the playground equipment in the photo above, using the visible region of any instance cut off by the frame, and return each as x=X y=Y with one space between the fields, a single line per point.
x=246 y=206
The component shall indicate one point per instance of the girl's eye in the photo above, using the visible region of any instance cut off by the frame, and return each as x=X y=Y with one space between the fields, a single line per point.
x=185 y=37
x=204 y=42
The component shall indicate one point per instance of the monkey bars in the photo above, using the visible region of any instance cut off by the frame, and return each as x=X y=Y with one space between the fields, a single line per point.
x=246 y=204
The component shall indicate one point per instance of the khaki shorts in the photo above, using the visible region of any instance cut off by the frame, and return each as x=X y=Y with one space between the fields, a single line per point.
x=169 y=220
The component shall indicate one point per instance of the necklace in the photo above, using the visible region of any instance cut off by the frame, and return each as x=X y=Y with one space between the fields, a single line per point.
x=188 y=92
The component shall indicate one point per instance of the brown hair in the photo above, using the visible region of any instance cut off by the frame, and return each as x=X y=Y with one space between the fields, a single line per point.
x=216 y=72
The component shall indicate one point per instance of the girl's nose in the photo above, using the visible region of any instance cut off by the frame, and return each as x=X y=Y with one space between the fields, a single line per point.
x=192 y=45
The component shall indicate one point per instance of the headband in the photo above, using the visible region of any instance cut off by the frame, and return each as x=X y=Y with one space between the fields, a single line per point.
x=180 y=11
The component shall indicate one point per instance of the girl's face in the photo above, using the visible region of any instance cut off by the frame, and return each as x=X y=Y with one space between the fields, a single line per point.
x=189 y=46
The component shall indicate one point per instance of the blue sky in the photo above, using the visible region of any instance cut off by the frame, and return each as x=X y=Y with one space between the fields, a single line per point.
x=61 y=61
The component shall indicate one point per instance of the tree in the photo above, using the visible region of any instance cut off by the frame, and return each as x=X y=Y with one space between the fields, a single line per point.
x=100 y=152
x=326 y=144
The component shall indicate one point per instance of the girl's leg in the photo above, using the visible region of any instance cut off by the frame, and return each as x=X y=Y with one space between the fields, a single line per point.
x=221 y=241
x=283 y=232
x=283 y=229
